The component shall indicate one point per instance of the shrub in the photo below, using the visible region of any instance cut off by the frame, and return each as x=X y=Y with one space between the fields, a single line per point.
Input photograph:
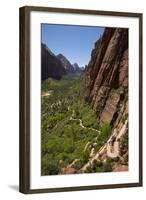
x=64 y=156
x=107 y=166
x=105 y=130
x=69 y=148
x=85 y=157
x=50 y=167
x=99 y=169
x=78 y=165
x=89 y=169
x=96 y=164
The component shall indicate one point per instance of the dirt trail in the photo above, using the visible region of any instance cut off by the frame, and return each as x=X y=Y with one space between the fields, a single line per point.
x=113 y=150
x=84 y=127
x=81 y=123
x=46 y=93
x=108 y=146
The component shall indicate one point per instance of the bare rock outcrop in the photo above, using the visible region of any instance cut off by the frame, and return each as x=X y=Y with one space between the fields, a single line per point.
x=107 y=74
x=106 y=77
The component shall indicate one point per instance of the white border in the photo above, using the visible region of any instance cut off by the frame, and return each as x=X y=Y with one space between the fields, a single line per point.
x=132 y=176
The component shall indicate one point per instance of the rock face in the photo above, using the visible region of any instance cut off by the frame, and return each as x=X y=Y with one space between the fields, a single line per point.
x=77 y=69
x=107 y=76
x=66 y=64
x=55 y=66
x=69 y=68
x=51 y=66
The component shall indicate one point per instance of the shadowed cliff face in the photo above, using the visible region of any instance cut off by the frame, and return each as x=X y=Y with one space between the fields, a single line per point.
x=56 y=66
x=66 y=64
x=51 y=66
x=69 y=68
x=107 y=76
x=77 y=69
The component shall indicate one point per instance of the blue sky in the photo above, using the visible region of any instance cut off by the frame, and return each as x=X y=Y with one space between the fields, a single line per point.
x=74 y=42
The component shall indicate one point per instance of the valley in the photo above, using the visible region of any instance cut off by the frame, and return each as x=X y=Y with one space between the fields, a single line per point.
x=71 y=136
x=66 y=122
x=84 y=113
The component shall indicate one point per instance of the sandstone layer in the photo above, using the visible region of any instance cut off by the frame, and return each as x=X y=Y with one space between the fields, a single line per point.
x=107 y=76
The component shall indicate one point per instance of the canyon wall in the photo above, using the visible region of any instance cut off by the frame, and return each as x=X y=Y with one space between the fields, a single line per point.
x=51 y=66
x=107 y=77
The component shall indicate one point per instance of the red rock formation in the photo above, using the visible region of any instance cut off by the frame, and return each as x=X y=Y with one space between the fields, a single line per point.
x=107 y=74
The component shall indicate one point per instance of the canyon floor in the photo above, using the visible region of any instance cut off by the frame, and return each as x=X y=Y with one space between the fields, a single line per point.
x=72 y=140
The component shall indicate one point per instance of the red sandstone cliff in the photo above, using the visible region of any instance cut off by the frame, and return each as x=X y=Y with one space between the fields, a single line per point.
x=107 y=76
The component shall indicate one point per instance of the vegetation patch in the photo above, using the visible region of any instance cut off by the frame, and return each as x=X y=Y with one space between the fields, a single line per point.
x=67 y=125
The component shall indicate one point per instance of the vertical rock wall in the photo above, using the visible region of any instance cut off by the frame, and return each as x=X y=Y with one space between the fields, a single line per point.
x=107 y=76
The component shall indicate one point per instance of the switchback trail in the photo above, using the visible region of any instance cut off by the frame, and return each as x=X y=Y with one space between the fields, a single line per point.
x=81 y=123
x=46 y=93
x=107 y=146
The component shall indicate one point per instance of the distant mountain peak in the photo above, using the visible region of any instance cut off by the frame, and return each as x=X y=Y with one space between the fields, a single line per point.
x=47 y=54
x=66 y=63
x=61 y=56
x=77 y=68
